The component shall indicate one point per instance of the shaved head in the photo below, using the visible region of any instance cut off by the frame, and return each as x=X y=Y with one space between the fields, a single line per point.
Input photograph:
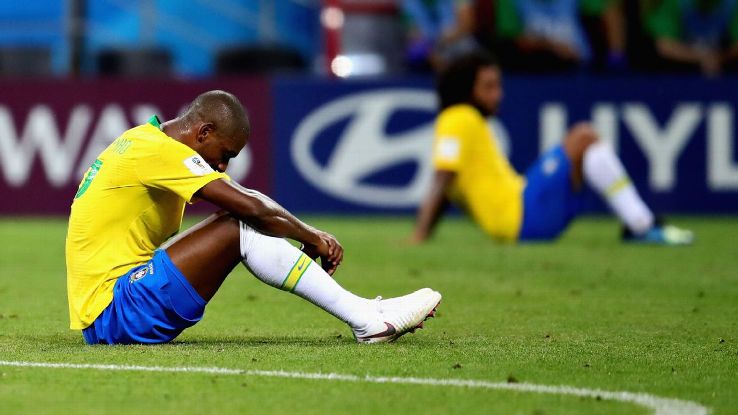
x=215 y=125
x=222 y=110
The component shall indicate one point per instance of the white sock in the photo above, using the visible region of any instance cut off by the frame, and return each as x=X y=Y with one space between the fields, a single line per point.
x=279 y=264
x=605 y=173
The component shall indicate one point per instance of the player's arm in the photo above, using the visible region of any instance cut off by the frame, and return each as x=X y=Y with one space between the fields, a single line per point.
x=707 y=59
x=433 y=206
x=664 y=27
x=268 y=217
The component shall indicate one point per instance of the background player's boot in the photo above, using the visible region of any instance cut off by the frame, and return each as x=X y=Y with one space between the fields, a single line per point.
x=399 y=315
x=660 y=234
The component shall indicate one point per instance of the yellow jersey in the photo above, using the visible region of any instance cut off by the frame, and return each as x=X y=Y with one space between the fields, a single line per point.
x=130 y=201
x=485 y=184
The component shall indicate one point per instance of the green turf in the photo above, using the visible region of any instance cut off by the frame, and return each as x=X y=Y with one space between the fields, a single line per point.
x=586 y=311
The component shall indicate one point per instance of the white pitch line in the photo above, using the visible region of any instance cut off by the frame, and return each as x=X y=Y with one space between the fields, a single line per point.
x=660 y=406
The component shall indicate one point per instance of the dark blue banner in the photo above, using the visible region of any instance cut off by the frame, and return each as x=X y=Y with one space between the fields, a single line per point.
x=365 y=146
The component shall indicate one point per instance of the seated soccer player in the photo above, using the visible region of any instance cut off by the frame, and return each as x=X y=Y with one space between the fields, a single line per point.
x=125 y=285
x=471 y=171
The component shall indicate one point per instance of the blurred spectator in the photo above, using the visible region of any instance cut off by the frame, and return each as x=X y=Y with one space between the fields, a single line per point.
x=194 y=33
x=542 y=36
x=33 y=38
x=438 y=31
x=604 y=22
x=693 y=35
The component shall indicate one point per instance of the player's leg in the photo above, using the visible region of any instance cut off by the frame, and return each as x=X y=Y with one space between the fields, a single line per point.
x=554 y=183
x=208 y=252
x=549 y=199
x=575 y=144
x=552 y=196
x=278 y=263
x=595 y=162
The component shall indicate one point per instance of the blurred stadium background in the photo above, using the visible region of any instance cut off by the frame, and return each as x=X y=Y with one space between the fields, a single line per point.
x=340 y=91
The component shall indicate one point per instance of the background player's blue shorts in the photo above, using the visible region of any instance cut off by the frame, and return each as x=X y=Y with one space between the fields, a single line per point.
x=549 y=202
x=152 y=303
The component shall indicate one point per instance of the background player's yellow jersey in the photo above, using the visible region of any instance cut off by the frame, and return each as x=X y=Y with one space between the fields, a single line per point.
x=130 y=201
x=486 y=185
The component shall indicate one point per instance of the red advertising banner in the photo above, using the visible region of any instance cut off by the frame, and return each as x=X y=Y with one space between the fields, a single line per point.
x=52 y=130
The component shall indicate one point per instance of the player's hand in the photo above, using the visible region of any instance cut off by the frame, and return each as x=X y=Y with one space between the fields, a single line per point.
x=416 y=238
x=328 y=250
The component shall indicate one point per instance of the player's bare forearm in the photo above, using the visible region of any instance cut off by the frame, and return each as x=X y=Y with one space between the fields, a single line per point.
x=268 y=217
x=433 y=206
x=258 y=211
x=709 y=60
x=272 y=219
x=679 y=51
x=428 y=216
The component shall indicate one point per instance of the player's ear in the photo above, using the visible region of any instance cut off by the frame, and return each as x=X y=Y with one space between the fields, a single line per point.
x=204 y=131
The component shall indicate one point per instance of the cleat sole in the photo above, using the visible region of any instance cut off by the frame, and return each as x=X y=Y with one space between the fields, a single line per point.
x=419 y=326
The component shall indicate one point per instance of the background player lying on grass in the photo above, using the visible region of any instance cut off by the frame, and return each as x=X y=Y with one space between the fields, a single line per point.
x=125 y=287
x=471 y=171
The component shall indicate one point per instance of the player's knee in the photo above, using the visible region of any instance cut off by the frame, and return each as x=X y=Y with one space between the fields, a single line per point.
x=583 y=132
x=225 y=217
x=580 y=137
x=226 y=227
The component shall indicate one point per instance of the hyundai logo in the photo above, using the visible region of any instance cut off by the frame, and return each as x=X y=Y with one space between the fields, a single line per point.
x=364 y=147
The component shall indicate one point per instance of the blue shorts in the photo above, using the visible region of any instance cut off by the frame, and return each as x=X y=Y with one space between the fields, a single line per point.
x=152 y=303
x=549 y=202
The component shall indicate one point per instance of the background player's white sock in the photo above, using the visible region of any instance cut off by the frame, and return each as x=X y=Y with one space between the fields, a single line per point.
x=279 y=264
x=605 y=173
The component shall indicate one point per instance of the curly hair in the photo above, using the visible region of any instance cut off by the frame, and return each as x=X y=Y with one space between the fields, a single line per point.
x=456 y=82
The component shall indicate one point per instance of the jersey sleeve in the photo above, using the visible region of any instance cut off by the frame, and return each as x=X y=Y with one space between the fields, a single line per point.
x=176 y=168
x=449 y=142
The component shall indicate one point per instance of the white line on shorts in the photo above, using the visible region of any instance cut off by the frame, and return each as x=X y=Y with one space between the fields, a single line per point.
x=659 y=405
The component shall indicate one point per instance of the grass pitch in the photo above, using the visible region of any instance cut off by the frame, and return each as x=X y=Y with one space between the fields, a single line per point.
x=586 y=311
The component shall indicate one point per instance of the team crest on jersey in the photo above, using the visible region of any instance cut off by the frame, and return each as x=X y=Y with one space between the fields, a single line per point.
x=141 y=273
x=197 y=166
x=550 y=165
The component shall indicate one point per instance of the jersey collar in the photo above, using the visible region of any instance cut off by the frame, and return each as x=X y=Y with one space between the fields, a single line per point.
x=154 y=120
